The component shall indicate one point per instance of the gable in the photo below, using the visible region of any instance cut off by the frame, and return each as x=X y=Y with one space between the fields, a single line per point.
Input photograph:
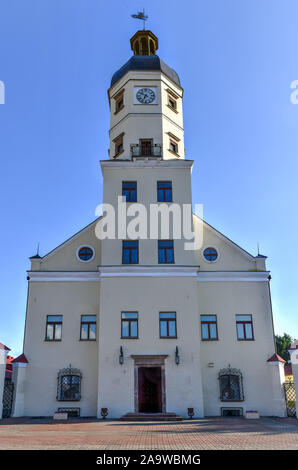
x=231 y=256
x=64 y=257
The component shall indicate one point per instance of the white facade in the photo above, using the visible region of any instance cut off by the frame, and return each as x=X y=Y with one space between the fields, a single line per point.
x=147 y=147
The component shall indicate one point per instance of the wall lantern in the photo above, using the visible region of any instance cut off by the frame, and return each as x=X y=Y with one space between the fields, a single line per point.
x=177 y=357
x=121 y=357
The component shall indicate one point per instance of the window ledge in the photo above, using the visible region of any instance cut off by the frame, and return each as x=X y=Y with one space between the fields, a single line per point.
x=211 y=339
x=129 y=337
x=168 y=337
x=118 y=110
x=173 y=109
x=117 y=154
x=174 y=153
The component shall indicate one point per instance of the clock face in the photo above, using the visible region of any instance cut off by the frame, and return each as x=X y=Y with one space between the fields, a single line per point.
x=145 y=95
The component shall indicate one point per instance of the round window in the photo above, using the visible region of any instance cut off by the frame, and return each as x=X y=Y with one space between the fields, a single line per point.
x=85 y=253
x=210 y=254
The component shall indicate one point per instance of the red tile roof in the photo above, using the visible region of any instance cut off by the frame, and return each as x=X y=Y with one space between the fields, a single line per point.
x=22 y=358
x=2 y=346
x=288 y=369
x=276 y=358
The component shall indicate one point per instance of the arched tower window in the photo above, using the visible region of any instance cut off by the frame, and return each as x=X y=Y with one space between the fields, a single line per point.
x=136 y=47
x=151 y=47
x=69 y=384
x=230 y=385
x=144 y=45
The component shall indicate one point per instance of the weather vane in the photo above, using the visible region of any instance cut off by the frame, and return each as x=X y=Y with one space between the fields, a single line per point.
x=141 y=16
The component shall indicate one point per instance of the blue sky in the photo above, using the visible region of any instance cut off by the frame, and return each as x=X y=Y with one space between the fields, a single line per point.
x=236 y=60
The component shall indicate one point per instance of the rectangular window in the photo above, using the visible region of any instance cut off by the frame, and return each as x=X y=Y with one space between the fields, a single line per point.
x=172 y=103
x=129 y=191
x=54 y=328
x=146 y=147
x=172 y=100
x=118 y=142
x=244 y=328
x=209 y=327
x=129 y=325
x=173 y=146
x=165 y=251
x=119 y=101
x=130 y=252
x=164 y=191
x=167 y=325
x=88 y=327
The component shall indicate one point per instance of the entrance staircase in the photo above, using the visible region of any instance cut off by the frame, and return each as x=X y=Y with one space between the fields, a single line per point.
x=150 y=417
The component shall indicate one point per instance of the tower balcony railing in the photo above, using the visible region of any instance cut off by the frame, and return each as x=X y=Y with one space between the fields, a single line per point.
x=146 y=151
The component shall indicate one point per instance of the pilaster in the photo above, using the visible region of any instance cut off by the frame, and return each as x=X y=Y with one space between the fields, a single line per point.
x=19 y=377
x=3 y=356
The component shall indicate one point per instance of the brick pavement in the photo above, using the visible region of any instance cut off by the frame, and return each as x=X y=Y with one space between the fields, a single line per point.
x=198 y=434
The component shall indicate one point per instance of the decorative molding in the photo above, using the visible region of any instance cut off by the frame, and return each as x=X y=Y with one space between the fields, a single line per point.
x=173 y=136
x=118 y=137
x=63 y=276
x=146 y=164
x=149 y=359
x=172 y=93
x=148 y=271
x=233 y=276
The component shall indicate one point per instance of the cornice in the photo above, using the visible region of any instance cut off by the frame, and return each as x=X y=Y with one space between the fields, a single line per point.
x=146 y=163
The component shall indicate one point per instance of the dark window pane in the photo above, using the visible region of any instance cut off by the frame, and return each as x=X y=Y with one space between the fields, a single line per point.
x=134 y=256
x=205 y=334
x=210 y=254
x=172 y=328
x=161 y=256
x=134 y=328
x=164 y=191
x=58 y=331
x=167 y=315
x=125 y=329
x=246 y=318
x=85 y=253
x=208 y=318
x=240 y=331
x=84 y=331
x=129 y=191
x=212 y=327
x=163 y=328
x=88 y=318
x=248 y=331
x=50 y=332
x=130 y=315
x=54 y=318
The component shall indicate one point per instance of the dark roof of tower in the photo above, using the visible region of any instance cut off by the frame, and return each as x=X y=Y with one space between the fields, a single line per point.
x=145 y=63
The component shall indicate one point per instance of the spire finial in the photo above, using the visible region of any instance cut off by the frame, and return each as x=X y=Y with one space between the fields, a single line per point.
x=141 y=16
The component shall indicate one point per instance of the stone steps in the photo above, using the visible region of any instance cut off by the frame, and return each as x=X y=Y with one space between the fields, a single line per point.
x=150 y=417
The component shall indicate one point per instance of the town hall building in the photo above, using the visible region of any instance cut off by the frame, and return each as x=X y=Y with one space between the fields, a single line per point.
x=129 y=326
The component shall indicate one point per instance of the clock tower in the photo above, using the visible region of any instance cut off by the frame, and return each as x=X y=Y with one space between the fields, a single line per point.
x=146 y=106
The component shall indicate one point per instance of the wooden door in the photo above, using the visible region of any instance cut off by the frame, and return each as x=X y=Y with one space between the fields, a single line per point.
x=149 y=389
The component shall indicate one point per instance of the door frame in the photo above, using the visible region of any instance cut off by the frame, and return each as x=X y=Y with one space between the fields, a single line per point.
x=149 y=361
